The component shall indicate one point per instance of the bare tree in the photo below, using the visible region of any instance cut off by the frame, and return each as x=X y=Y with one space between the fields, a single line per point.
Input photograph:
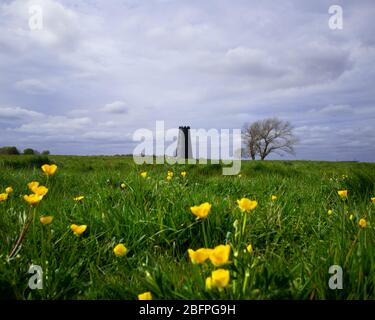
x=269 y=135
x=250 y=136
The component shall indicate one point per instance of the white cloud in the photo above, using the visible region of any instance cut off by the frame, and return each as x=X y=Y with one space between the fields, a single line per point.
x=78 y=112
x=17 y=113
x=336 y=110
x=55 y=125
x=115 y=107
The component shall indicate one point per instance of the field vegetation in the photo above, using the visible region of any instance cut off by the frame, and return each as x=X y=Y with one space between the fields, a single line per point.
x=109 y=229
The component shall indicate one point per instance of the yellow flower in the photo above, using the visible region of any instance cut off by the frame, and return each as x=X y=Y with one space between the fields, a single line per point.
x=351 y=217
x=362 y=223
x=123 y=186
x=274 y=198
x=144 y=174
x=32 y=199
x=329 y=211
x=9 y=190
x=145 y=296
x=239 y=175
x=170 y=173
x=220 y=278
x=79 y=198
x=343 y=194
x=202 y=210
x=183 y=173
x=40 y=191
x=32 y=185
x=220 y=255
x=37 y=189
x=169 y=178
x=208 y=283
x=46 y=220
x=249 y=248
x=246 y=204
x=199 y=256
x=49 y=169
x=373 y=199
x=3 y=196
x=120 y=250
x=78 y=230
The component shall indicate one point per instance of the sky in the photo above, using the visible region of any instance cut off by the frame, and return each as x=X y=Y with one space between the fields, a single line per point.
x=98 y=70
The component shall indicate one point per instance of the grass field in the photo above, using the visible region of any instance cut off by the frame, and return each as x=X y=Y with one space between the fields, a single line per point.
x=294 y=240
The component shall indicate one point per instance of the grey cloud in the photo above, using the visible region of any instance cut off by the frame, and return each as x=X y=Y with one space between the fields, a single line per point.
x=34 y=86
x=336 y=110
x=202 y=63
x=244 y=61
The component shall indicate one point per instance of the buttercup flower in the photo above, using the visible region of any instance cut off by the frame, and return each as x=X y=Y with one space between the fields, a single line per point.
x=220 y=255
x=202 y=210
x=329 y=212
x=362 y=223
x=8 y=190
x=169 y=178
x=120 y=250
x=183 y=173
x=79 y=198
x=33 y=199
x=123 y=186
x=343 y=194
x=49 y=169
x=351 y=217
x=239 y=175
x=199 y=256
x=249 y=248
x=145 y=296
x=373 y=199
x=32 y=185
x=3 y=196
x=46 y=220
x=274 y=198
x=37 y=189
x=220 y=278
x=78 y=230
x=144 y=174
x=40 y=191
x=246 y=205
x=170 y=174
x=208 y=283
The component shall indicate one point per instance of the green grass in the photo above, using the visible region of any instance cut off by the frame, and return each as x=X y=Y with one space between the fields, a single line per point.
x=295 y=241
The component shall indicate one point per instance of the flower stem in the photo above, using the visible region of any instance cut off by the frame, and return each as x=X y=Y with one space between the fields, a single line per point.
x=243 y=226
x=246 y=281
x=204 y=234
x=22 y=235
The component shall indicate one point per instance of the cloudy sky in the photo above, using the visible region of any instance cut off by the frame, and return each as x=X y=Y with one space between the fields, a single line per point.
x=100 y=69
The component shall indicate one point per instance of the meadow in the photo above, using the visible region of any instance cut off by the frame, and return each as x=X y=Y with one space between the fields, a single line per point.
x=281 y=248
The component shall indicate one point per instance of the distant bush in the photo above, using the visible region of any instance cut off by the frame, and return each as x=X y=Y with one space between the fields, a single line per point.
x=45 y=152
x=29 y=151
x=33 y=161
x=9 y=150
